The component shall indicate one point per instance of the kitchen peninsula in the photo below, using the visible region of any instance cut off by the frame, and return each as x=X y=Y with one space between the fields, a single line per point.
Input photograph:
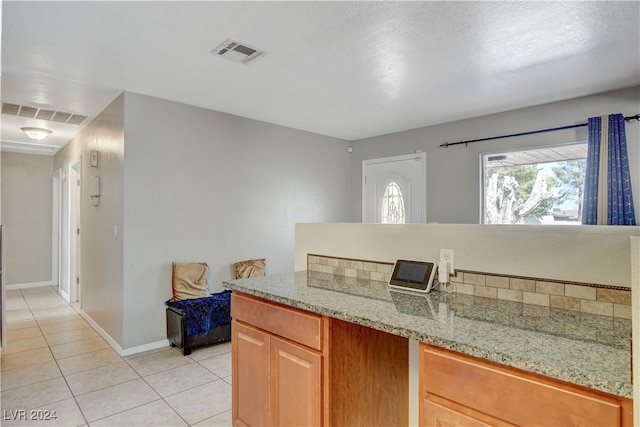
x=316 y=348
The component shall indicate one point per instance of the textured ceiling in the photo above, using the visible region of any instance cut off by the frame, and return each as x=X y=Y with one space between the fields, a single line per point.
x=345 y=69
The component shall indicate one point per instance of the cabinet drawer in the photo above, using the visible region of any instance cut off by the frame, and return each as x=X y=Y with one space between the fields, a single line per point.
x=511 y=395
x=296 y=325
x=435 y=414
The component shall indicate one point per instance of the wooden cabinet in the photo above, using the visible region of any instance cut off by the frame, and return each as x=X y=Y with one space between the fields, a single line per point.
x=295 y=368
x=296 y=393
x=459 y=390
x=276 y=380
x=250 y=376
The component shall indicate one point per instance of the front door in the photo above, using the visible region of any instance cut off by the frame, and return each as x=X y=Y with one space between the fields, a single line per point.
x=393 y=190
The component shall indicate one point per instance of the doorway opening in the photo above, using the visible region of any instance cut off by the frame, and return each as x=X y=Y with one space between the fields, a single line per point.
x=69 y=255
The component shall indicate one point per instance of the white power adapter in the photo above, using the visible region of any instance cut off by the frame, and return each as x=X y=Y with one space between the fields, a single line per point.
x=443 y=272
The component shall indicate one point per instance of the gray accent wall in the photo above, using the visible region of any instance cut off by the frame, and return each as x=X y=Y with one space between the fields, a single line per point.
x=211 y=187
x=26 y=214
x=454 y=173
x=181 y=183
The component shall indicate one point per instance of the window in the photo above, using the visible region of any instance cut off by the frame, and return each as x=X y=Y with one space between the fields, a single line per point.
x=392 y=205
x=537 y=186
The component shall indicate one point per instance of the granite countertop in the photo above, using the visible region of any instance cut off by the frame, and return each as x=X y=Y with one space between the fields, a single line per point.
x=580 y=348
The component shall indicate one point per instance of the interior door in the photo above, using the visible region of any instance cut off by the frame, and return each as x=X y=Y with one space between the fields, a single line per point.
x=394 y=189
x=70 y=230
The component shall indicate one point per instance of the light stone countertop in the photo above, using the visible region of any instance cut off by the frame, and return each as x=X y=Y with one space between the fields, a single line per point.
x=580 y=348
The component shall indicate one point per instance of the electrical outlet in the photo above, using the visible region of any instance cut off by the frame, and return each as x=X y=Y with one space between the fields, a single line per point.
x=446 y=255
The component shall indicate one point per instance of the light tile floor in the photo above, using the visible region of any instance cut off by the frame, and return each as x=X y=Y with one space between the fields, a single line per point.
x=55 y=363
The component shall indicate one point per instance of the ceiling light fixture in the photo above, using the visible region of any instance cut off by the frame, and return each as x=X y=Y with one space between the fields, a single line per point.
x=36 y=134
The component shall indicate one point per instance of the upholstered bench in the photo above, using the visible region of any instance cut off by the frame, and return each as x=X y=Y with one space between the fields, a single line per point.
x=199 y=322
x=196 y=317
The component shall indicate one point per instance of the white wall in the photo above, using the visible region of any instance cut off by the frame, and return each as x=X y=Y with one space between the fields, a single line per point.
x=206 y=186
x=589 y=254
x=26 y=213
x=453 y=173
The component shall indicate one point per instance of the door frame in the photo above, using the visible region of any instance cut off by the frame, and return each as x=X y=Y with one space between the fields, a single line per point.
x=423 y=176
x=56 y=229
x=75 y=197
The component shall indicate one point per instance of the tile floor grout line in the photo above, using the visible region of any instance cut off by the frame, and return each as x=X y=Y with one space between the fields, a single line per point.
x=73 y=396
x=56 y=362
x=32 y=308
x=64 y=376
x=135 y=407
x=165 y=401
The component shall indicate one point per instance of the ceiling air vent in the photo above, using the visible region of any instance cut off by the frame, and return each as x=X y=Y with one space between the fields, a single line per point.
x=237 y=52
x=43 y=114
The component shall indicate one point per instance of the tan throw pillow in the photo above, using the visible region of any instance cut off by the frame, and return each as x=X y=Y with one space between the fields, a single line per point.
x=189 y=280
x=250 y=268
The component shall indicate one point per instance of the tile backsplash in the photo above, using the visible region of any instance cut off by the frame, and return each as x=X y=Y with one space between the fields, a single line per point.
x=613 y=301
x=369 y=270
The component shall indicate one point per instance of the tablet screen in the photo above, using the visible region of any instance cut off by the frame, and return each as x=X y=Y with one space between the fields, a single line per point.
x=416 y=275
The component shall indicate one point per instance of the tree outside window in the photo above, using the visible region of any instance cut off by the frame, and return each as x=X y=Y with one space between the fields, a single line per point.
x=543 y=186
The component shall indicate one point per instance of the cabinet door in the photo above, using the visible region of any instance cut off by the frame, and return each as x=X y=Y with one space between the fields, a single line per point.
x=296 y=372
x=250 y=376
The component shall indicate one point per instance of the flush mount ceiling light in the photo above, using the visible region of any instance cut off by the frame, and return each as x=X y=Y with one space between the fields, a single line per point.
x=36 y=134
x=237 y=52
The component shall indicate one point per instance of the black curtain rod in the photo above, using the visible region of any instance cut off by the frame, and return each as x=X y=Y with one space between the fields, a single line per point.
x=449 y=144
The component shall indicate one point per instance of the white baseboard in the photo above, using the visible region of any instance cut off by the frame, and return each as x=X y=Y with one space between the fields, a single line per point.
x=127 y=351
x=29 y=285
x=101 y=332
x=146 y=347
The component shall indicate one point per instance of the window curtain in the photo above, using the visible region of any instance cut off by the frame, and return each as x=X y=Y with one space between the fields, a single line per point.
x=607 y=195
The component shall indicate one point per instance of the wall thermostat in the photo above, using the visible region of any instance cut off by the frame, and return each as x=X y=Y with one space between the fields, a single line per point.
x=413 y=275
x=94 y=158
